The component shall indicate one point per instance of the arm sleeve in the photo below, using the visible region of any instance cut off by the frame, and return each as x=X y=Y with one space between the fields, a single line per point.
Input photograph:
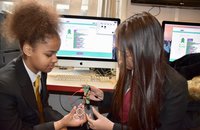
x=118 y=126
x=49 y=112
x=52 y=115
x=107 y=101
x=10 y=118
x=174 y=108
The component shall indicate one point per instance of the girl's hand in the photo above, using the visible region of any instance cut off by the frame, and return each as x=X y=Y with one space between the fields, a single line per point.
x=101 y=123
x=96 y=94
x=71 y=120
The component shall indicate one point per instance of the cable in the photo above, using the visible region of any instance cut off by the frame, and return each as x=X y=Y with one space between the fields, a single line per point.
x=153 y=8
x=62 y=105
x=85 y=101
x=103 y=72
x=70 y=100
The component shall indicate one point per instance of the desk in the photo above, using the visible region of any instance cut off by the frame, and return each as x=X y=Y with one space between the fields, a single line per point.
x=72 y=86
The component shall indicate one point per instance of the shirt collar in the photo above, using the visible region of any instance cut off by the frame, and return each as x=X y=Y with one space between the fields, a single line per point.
x=32 y=75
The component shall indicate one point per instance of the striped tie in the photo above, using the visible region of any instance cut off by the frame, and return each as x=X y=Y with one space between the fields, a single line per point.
x=38 y=98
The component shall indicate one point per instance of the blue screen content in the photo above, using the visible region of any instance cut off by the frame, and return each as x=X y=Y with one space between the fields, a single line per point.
x=181 y=39
x=87 y=38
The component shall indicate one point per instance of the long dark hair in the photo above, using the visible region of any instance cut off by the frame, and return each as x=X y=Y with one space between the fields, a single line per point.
x=142 y=36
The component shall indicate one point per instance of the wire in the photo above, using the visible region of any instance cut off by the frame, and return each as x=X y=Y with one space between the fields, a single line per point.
x=85 y=101
x=62 y=105
x=70 y=100
x=153 y=8
x=103 y=72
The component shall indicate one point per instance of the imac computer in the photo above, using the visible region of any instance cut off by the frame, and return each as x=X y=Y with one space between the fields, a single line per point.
x=180 y=39
x=87 y=42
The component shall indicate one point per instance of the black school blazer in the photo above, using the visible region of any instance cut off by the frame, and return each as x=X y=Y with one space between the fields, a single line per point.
x=18 y=107
x=173 y=110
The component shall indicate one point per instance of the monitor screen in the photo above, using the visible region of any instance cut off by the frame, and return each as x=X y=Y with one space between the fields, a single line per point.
x=180 y=39
x=87 y=41
x=195 y=4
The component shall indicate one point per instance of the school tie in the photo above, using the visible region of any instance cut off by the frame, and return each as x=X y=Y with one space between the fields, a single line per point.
x=38 y=99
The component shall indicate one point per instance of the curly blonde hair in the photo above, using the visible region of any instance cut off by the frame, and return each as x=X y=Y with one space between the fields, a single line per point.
x=31 y=22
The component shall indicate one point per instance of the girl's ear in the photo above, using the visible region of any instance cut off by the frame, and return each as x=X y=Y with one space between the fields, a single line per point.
x=27 y=49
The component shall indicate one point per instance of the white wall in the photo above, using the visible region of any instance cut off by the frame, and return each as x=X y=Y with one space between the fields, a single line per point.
x=166 y=13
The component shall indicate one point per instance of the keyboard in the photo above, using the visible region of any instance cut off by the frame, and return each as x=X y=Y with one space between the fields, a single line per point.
x=80 y=77
x=87 y=78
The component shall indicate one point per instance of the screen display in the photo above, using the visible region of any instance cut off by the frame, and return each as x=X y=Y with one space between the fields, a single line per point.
x=171 y=3
x=180 y=39
x=87 y=38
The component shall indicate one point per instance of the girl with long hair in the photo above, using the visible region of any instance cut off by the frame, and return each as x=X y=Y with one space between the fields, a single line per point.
x=149 y=94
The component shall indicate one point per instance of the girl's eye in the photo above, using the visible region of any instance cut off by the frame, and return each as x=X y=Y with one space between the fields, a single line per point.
x=48 y=55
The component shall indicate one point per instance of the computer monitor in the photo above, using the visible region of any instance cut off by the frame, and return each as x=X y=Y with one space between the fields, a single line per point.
x=87 y=41
x=180 y=39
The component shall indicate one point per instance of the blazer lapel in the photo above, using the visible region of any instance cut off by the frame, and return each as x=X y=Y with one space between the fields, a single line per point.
x=26 y=84
x=44 y=92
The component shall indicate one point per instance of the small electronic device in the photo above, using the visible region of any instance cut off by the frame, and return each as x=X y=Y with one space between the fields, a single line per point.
x=80 y=113
x=87 y=42
x=180 y=39
x=86 y=89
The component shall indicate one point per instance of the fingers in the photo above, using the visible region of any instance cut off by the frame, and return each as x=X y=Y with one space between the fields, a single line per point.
x=90 y=121
x=88 y=118
x=81 y=106
x=94 y=93
x=73 y=111
x=93 y=88
x=96 y=113
x=80 y=112
x=96 y=96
